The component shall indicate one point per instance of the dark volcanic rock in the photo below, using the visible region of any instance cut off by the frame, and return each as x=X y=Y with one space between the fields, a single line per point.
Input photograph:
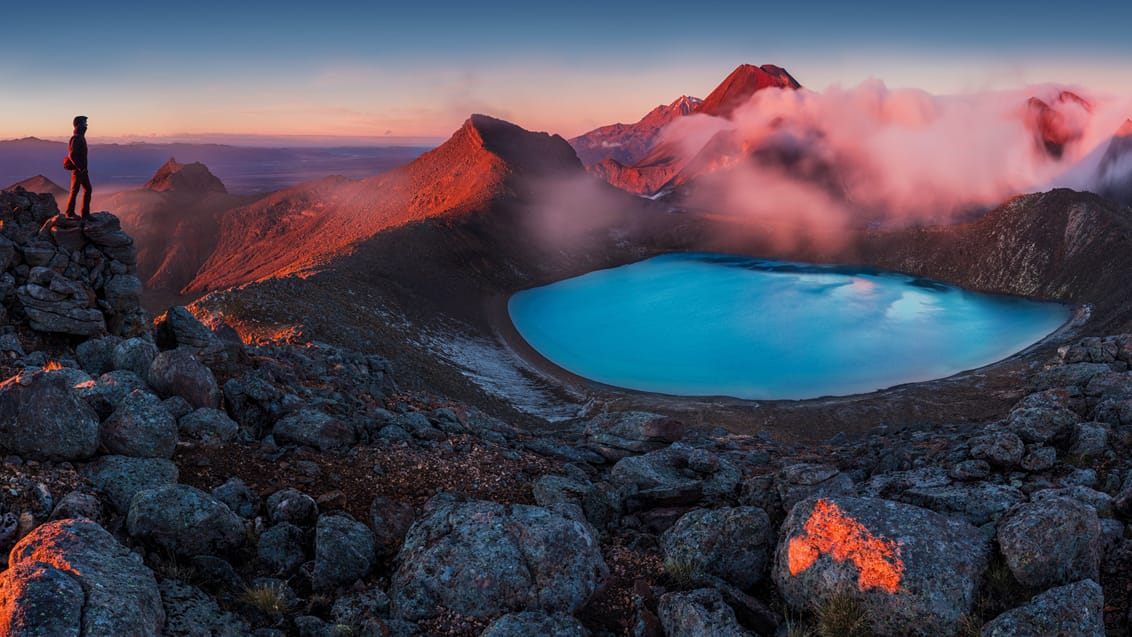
x=621 y=434
x=184 y=521
x=178 y=327
x=535 y=623
x=134 y=354
x=731 y=542
x=207 y=426
x=178 y=373
x=140 y=426
x=914 y=571
x=120 y=478
x=189 y=612
x=390 y=521
x=696 y=613
x=291 y=505
x=41 y=417
x=280 y=548
x=1051 y=541
x=315 y=429
x=1073 y=610
x=666 y=478
x=482 y=558
x=343 y=551
x=72 y=576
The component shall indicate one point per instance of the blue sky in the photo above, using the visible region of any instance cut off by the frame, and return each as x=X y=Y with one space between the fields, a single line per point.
x=418 y=69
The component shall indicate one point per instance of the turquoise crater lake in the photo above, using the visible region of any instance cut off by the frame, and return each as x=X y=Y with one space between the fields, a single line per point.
x=702 y=324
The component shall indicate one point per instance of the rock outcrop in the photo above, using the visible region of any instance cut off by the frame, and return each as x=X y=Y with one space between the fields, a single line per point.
x=64 y=276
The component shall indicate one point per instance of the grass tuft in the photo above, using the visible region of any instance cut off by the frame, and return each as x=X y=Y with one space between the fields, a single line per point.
x=842 y=615
x=269 y=598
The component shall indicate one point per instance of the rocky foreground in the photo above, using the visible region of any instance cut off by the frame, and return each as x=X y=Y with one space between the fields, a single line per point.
x=167 y=478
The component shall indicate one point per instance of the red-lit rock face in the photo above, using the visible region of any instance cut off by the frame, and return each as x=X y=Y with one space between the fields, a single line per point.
x=1053 y=128
x=738 y=87
x=831 y=532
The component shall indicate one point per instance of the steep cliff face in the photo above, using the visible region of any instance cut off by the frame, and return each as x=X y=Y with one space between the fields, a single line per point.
x=1059 y=245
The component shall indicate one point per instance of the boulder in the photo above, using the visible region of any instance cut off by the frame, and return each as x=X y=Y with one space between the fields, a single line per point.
x=343 y=551
x=178 y=327
x=238 y=497
x=178 y=373
x=1042 y=424
x=666 y=478
x=96 y=355
x=55 y=303
x=797 y=482
x=134 y=354
x=390 y=521
x=698 y=613
x=1076 y=374
x=71 y=577
x=622 y=434
x=482 y=558
x=280 y=548
x=732 y=543
x=120 y=478
x=185 y=521
x=42 y=418
x=207 y=426
x=1073 y=610
x=291 y=505
x=140 y=427
x=1051 y=541
x=314 y=428
x=979 y=503
x=914 y=571
x=189 y=612
x=107 y=392
x=1000 y=448
x=534 y=623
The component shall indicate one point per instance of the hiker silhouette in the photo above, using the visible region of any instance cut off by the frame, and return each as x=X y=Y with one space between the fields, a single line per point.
x=77 y=164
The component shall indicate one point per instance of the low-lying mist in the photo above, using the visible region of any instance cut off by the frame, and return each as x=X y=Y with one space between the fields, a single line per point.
x=804 y=161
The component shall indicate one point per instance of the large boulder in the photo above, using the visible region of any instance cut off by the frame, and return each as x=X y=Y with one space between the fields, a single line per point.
x=120 y=478
x=178 y=373
x=671 y=476
x=314 y=428
x=730 y=542
x=134 y=354
x=534 y=623
x=914 y=571
x=622 y=434
x=178 y=327
x=55 y=303
x=185 y=521
x=209 y=427
x=343 y=551
x=1051 y=541
x=141 y=426
x=482 y=558
x=698 y=613
x=42 y=418
x=71 y=577
x=1073 y=610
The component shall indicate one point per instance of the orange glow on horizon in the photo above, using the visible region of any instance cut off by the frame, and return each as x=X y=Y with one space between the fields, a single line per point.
x=841 y=537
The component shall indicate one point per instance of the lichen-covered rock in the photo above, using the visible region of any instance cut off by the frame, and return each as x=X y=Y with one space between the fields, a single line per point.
x=178 y=327
x=343 y=551
x=1042 y=424
x=1073 y=610
x=979 y=503
x=71 y=577
x=189 y=612
x=530 y=623
x=698 y=613
x=107 y=392
x=280 y=548
x=96 y=355
x=483 y=558
x=291 y=505
x=120 y=478
x=665 y=477
x=140 y=427
x=390 y=521
x=314 y=428
x=134 y=354
x=797 y=482
x=178 y=373
x=730 y=542
x=914 y=571
x=622 y=434
x=207 y=426
x=1051 y=541
x=43 y=418
x=237 y=496
x=1000 y=448
x=185 y=521
x=55 y=303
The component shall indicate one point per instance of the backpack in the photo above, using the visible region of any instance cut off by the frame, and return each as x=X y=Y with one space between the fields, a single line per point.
x=68 y=164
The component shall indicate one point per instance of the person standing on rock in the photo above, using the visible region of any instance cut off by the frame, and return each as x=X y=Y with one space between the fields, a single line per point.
x=76 y=163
